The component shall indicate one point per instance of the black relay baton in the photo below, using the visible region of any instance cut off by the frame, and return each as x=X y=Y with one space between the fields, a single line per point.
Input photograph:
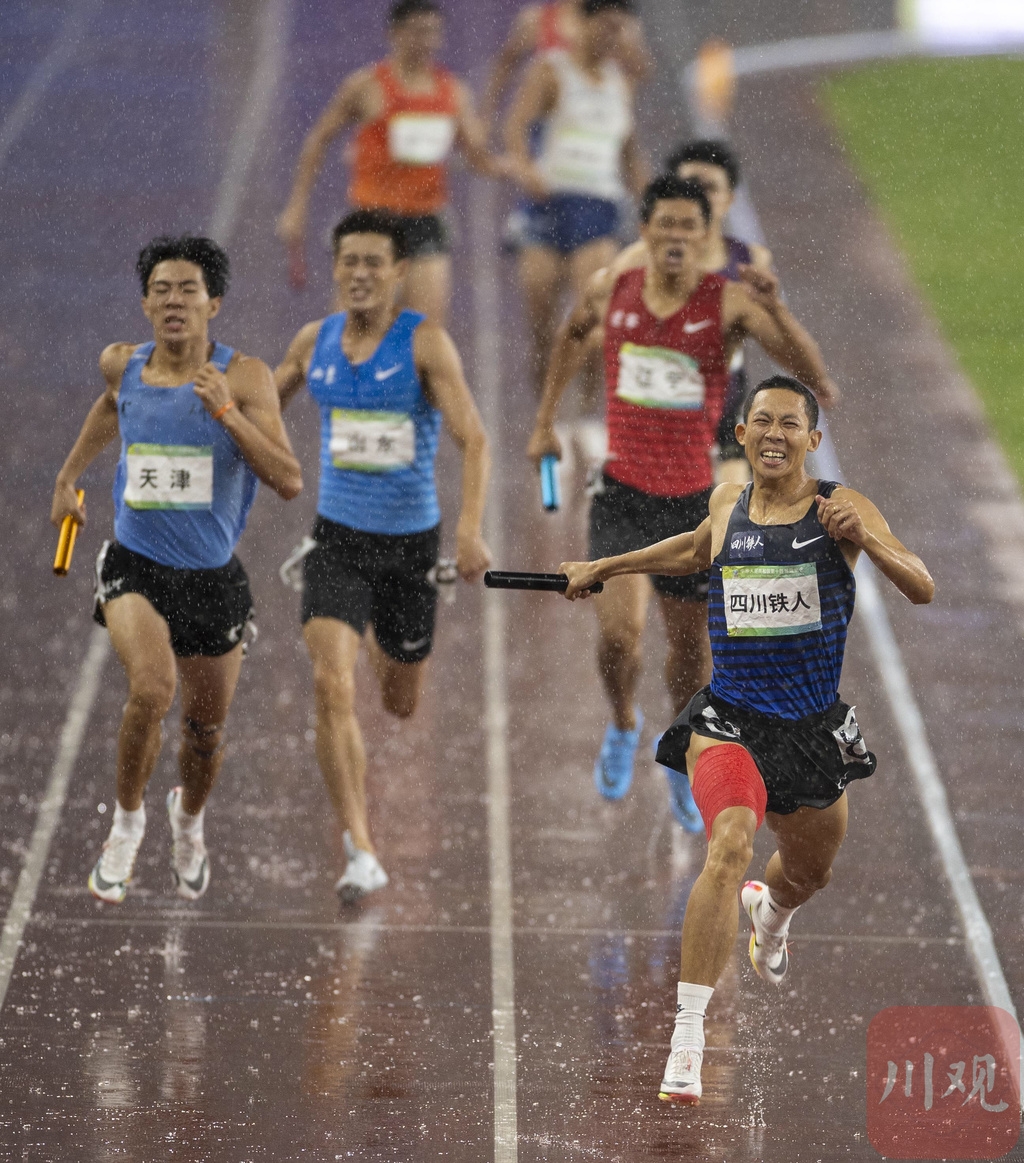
x=499 y=579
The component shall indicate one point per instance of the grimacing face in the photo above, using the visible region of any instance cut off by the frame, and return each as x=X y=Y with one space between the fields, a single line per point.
x=366 y=271
x=777 y=434
x=177 y=302
x=715 y=182
x=675 y=234
x=418 y=38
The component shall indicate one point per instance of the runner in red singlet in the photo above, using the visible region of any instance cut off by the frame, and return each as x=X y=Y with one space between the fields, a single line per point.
x=669 y=333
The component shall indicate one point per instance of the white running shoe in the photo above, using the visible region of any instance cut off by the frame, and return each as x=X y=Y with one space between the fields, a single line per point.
x=109 y=878
x=682 y=1077
x=769 y=954
x=363 y=874
x=190 y=866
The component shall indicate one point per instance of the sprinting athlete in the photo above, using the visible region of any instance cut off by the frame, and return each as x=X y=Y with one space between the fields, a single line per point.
x=713 y=165
x=199 y=423
x=541 y=28
x=409 y=114
x=769 y=739
x=384 y=380
x=587 y=159
x=670 y=330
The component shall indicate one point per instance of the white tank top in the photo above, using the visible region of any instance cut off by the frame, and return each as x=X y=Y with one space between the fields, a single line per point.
x=581 y=151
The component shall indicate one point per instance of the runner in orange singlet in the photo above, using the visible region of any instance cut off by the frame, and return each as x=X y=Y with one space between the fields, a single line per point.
x=410 y=114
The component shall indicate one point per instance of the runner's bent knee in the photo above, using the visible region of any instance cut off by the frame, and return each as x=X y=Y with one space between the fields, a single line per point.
x=335 y=688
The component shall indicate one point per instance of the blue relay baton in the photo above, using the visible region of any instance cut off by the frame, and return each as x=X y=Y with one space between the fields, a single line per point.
x=550 y=487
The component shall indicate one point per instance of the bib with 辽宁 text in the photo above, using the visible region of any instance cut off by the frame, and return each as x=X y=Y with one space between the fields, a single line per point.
x=420 y=139
x=169 y=476
x=764 y=601
x=370 y=441
x=658 y=377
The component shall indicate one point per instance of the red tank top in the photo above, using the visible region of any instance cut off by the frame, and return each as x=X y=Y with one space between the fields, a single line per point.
x=666 y=382
x=400 y=157
x=549 y=34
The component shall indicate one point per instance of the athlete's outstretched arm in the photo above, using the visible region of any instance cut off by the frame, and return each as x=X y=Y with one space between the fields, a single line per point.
x=472 y=140
x=850 y=518
x=245 y=401
x=345 y=109
x=290 y=373
x=440 y=369
x=755 y=307
x=99 y=429
x=568 y=353
x=676 y=556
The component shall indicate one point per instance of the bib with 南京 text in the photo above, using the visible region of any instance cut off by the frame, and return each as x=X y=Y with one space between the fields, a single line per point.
x=370 y=441
x=169 y=476
x=764 y=601
x=658 y=377
x=420 y=139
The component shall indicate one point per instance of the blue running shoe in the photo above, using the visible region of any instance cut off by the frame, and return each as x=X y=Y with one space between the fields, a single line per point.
x=680 y=796
x=613 y=772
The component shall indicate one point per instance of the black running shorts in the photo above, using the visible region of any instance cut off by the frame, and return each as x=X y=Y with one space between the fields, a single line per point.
x=426 y=235
x=623 y=519
x=206 y=610
x=381 y=578
x=803 y=762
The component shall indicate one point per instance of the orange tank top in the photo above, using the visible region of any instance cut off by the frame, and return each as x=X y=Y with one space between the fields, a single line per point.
x=399 y=162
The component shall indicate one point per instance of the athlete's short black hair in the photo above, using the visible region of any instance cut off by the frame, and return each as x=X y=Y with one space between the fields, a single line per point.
x=204 y=252
x=790 y=385
x=592 y=7
x=669 y=186
x=711 y=153
x=406 y=8
x=371 y=222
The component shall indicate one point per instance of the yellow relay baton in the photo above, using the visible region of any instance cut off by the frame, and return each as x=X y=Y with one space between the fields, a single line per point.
x=66 y=540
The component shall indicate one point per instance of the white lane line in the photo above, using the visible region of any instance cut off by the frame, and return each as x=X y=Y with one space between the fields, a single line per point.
x=272 y=32
x=48 y=817
x=907 y=717
x=49 y=68
x=487 y=352
x=268 y=57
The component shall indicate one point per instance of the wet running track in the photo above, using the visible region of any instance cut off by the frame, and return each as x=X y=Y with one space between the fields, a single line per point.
x=261 y=1023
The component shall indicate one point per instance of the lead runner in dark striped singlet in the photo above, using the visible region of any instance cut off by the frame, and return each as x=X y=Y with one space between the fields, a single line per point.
x=769 y=738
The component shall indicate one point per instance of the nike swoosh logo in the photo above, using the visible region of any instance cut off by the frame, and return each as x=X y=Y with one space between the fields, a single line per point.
x=690 y=328
x=411 y=646
x=387 y=373
x=801 y=544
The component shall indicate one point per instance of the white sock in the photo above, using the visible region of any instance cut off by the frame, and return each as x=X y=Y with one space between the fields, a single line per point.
x=774 y=917
x=691 y=1006
x=190 y=825
x=134 y=823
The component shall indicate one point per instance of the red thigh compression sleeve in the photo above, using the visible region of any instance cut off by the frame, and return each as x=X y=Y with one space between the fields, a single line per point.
x=727 y=777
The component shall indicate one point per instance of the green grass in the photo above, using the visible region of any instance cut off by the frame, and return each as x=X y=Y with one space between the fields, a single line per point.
x=941 y=146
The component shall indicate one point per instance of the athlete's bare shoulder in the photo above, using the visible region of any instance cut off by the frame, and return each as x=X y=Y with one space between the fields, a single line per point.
x=720 y=506
x=761 y=257
x=113 y=360
x=630 y=258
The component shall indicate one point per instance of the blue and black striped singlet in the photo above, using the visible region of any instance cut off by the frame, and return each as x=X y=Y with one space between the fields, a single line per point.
x=779 y=603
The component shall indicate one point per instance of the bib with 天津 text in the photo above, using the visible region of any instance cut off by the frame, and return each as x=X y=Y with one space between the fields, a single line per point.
x=370 y=441
x=169 y=476
x=420 y=139
x=764 y=601
x=658 y=377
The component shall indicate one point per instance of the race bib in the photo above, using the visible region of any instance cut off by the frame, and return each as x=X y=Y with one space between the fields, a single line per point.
x=420 y=139
x=169 y=476
x=657 y=377
x=576 y=158
x=371 y=441
x=765 y=601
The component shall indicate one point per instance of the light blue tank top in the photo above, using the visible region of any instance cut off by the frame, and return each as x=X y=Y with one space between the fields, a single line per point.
x=378 y=433
x=182 y=491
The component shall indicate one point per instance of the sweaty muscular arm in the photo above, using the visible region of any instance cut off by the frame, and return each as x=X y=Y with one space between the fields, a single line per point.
x=851 y=519
x=568 y=353
x=347 y=107
x=440 y=369
x=633 y=53
x=254 y=423
x=99 y=429
x=534 y=99
x=290 y=373
x=755 y=307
